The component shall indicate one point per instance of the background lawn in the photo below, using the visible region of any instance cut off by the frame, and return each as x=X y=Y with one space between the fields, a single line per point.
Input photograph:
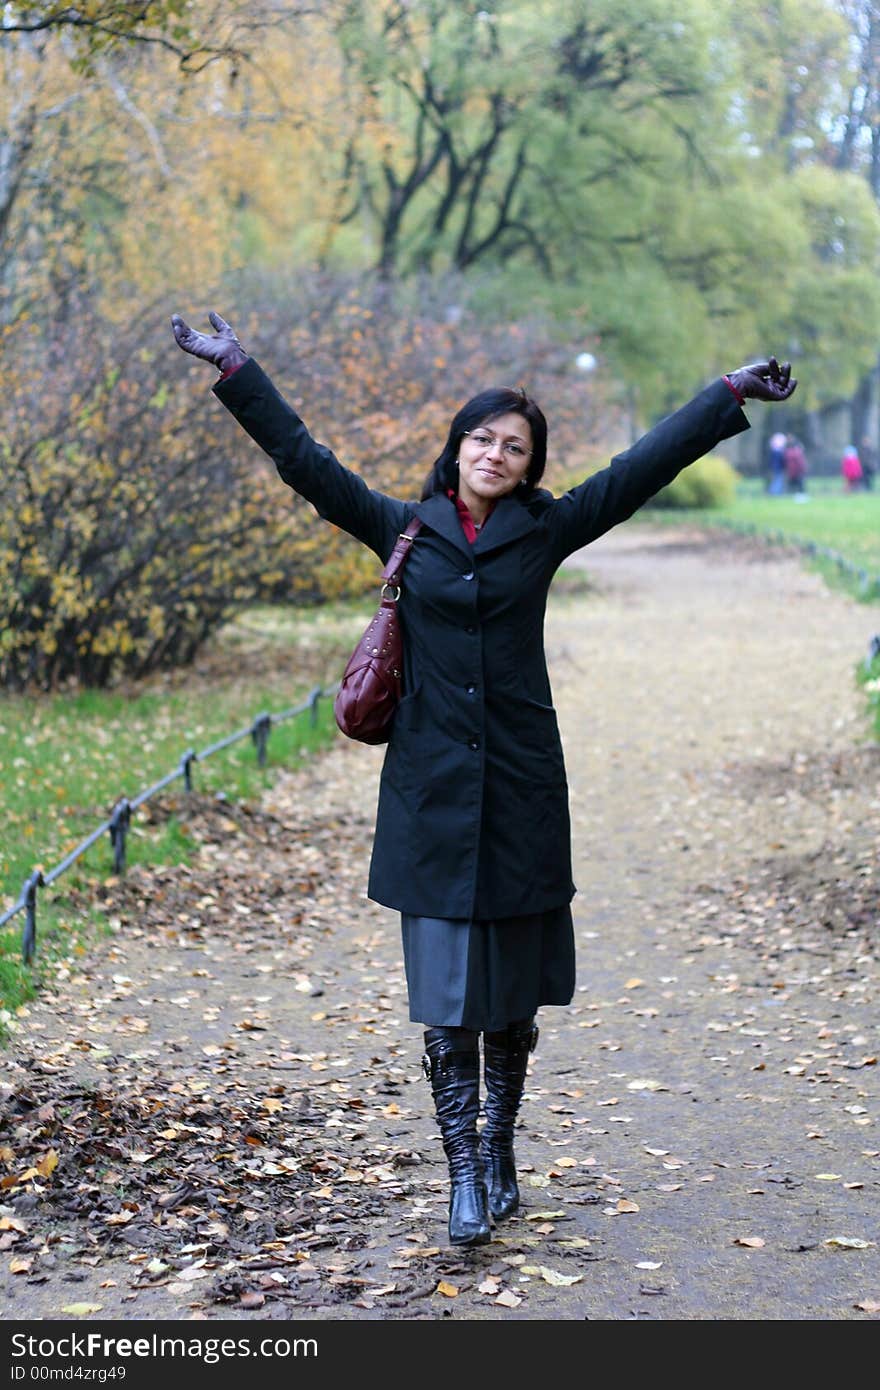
x=67 y=758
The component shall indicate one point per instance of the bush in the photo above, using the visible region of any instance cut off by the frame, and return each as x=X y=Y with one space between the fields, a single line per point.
x=710 y=482
x=130 y=525
x=135 y=518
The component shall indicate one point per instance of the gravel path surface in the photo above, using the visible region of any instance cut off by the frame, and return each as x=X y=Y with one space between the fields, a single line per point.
x=231 y=1085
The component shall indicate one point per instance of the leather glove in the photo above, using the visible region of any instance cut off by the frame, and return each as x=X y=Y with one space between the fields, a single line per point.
x=222 y=348
x=763 y=381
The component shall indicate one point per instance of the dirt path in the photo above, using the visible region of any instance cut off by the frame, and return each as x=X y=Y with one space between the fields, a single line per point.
x=231 y=1085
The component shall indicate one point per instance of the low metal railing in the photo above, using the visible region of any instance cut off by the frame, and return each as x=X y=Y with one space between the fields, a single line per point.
x=119 y=821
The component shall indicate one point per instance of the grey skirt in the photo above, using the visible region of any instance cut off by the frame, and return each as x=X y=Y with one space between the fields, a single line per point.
x=484 y=975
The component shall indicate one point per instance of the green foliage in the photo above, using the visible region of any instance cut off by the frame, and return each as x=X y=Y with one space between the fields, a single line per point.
x=670 y=182
x=708 y=483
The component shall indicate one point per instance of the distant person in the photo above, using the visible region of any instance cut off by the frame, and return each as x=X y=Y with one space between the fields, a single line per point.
x=851 y=468
x=868 y=459
x=795 y=466
x=776 y=479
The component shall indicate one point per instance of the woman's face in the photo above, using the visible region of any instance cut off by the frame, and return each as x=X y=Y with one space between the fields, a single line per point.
x=494 y=458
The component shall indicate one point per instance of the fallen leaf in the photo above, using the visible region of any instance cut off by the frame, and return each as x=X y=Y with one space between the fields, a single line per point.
x=869 y=1305
x=252 y=1299
x=489 y=1285
x=509 y=1299
x=645 y=1085
x=544 y=1215
x=553 y=1276
x=849 y=1242
x=828 y=1177
x=751 y=1242
x=649 y=1264
x=47 y=1165
x=626 y=1205
x=448 y=1290
x=82 y=1310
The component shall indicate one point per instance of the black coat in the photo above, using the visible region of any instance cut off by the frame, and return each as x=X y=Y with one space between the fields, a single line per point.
x=473 y=803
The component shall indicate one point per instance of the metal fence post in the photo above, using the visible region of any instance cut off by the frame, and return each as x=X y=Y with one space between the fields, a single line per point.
x=313 y=704
x=29 y=898
x=186 y=762
x=119 y=824
x=260 y=731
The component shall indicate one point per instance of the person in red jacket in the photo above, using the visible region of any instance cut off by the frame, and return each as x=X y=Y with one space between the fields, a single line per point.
x=851 y=468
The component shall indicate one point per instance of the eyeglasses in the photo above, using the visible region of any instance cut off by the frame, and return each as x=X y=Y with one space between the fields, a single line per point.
x=512 y=451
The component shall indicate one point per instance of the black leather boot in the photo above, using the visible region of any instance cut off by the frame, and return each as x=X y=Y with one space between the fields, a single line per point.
x=452 y=1065
x=506 y=1058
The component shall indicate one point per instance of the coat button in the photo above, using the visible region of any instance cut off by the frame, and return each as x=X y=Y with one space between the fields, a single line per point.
x=474 y=744
x=471 y=628
x=471 y=689
x=469 y=575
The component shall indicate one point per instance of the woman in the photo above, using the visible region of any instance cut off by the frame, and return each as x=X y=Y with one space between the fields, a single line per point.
x=472 y=840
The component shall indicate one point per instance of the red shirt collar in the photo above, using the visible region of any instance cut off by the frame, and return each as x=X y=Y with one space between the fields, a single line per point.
x=467 y=522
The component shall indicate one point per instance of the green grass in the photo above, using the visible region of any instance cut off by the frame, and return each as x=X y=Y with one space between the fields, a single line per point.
x=869 y=677
x=67 y=758
x=847 y=523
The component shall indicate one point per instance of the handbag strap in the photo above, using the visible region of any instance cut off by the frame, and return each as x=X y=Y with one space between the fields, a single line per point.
x=400 y=554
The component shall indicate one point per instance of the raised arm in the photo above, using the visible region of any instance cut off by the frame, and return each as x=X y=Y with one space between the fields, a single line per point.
x=337 y=494
x=633 y=477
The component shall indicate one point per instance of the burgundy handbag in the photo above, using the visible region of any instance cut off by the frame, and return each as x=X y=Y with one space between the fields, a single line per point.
x=369 y=691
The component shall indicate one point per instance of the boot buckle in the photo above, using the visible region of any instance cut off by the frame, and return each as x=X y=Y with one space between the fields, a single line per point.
x=427 y=1067
x=533 y=1037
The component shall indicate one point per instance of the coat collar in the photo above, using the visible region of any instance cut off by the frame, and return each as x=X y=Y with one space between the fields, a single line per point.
x=508 y=522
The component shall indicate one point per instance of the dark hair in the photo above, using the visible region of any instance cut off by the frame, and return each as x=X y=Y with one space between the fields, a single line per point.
x=488 y=405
